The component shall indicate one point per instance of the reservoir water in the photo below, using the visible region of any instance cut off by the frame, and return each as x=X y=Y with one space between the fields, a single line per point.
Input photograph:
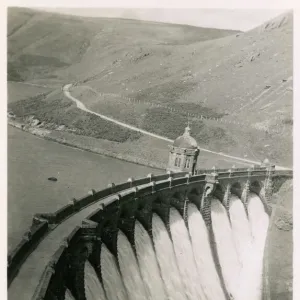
x=31 y=160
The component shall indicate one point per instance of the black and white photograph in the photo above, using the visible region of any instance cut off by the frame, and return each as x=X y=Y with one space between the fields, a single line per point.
x=149 y=153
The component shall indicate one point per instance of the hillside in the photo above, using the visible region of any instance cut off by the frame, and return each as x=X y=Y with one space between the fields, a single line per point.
x=231 y=76
x=40 y=43
x=17 y=91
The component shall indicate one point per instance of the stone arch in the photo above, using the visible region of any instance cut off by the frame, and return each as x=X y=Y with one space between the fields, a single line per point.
x=127 y=217
x=236 y=189
x=256 y=187
x=195 y=190
x=219 y=192
x=109 y=235
x=161 y=206
x=144 y=212
x=194 y=195
x=129 y=208
x=177 y=195
x=222 y=193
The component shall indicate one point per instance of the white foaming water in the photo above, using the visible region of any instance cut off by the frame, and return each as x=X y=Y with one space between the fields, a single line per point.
x=259 y=219
x=148 y=264
x=185 y=257
x=251 y=279
x=227 y=254
x=185 y=270
x=68 y=295
x=130 y=270
x=93 y=287
x=240 y=228
x=111 y=277
x=210 y=280
x=166 y=259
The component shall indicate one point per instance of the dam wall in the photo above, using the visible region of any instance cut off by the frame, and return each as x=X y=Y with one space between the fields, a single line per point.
x=43 y=223
x=119 y=207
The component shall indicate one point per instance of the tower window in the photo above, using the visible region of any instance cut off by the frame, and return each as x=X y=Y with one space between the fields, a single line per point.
x=187 y=163
x=177 y=161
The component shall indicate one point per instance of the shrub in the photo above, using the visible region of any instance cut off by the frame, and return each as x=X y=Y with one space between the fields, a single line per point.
x=56 y=109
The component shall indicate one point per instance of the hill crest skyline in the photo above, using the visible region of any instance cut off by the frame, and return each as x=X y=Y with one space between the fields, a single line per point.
x=237 y=19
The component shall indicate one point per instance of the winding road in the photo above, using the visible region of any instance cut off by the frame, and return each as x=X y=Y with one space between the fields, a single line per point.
x=80 y=105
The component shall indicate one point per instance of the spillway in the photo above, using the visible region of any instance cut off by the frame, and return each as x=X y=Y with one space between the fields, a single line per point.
x=251 y=278
x=229 y=261
x=111 y=277
x=241 y=230
x=167 y=261
x=185 y=257
x=148 y=264
x=203 y=255
x=180 y=265
x=130 y=270
x=93 y=287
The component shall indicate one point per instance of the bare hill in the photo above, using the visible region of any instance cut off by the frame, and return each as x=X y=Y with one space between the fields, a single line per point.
x=228 y=75
x=41 y=42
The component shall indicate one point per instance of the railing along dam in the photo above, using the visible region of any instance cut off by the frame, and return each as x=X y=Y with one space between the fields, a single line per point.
x=173 y=236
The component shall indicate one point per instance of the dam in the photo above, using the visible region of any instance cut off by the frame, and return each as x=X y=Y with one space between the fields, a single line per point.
x=186 y=234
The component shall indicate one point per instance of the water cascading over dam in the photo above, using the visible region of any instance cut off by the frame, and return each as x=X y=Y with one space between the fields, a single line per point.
x=167 y=237
x=179 y=264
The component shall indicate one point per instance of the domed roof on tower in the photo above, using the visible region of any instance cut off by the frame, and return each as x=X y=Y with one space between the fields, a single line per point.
x=186 y=141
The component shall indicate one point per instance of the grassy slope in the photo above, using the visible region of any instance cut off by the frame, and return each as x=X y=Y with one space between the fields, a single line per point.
x=54 y=109
x=18 y=91
x=219 y=76
x=41 y=43
x=177 y=66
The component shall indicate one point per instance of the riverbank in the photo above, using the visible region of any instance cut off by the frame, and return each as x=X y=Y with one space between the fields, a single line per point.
x=146 y=150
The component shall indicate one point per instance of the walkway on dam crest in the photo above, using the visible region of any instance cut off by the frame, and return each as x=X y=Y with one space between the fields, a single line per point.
x=81 y=106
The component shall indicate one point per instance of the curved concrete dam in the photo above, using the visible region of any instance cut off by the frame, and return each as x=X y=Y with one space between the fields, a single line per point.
x=173 y=236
